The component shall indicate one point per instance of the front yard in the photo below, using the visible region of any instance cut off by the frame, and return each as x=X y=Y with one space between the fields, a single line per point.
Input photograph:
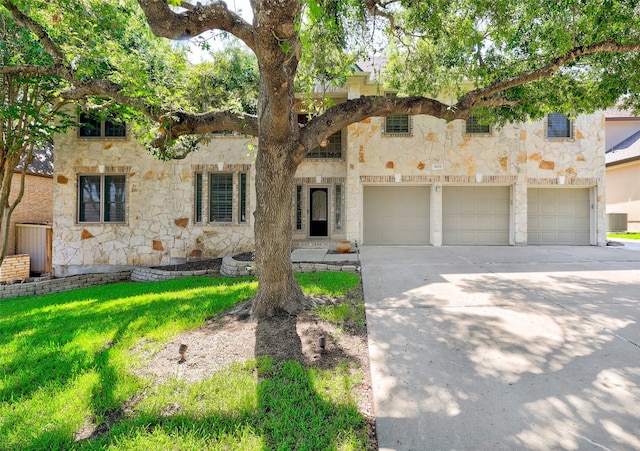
x=72 y=372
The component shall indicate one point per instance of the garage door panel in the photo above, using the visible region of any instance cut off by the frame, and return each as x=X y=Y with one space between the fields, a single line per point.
x=475 y=215
x=558 y=216
x=396 y=215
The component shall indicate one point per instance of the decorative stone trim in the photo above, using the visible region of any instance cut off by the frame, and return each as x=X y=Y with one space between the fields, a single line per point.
x=501 y=179
x=107 y=169
x=227 y=167
x=582 y=181
x=143 y=274
x=324 y=180
x=62 y=284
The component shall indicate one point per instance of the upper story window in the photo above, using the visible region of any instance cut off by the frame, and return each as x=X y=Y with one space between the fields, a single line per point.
x=397 y=125
x=332 y=148
x=93 y=127
x=102 y=198
x=559 y=126
x=472 y=127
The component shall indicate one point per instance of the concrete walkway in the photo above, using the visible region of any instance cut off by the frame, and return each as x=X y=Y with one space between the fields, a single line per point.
x=321 y=255
x=504 y=347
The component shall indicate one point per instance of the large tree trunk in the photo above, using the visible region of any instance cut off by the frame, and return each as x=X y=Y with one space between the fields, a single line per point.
x=278 y=291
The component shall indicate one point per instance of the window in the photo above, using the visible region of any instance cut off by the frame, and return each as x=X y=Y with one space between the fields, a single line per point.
x=559 y=126
x=198 y=198
x=101 y=198
x=338 y=207
x=220 y=197
x=298 y=207
x=472 y=127
x=397 y=124
x=333 y=148
x=93 y=127
x=243 y=197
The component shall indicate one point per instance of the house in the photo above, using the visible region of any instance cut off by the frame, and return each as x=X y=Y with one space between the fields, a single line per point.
x=35 y=210
x=622 y=159
x=400 y=180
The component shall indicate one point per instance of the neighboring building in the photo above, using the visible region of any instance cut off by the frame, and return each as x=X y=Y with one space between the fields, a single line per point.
x=36 y=206
x=623 y=166
x=400 y=180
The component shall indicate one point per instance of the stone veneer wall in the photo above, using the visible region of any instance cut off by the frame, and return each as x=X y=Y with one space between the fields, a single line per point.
x=438 y=152
x=15 y=267
x=159 y=228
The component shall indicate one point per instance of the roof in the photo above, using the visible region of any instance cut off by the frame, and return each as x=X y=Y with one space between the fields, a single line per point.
x=42 y=163
x=625 y=151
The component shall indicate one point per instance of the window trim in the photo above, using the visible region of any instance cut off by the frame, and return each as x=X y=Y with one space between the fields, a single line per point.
x=570 y=127
x=103 y=200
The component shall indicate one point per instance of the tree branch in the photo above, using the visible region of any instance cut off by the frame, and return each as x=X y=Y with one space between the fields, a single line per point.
x=181 y=123
x=167 y=23
x=42 y=35
x=352 y=111
x=472 y=98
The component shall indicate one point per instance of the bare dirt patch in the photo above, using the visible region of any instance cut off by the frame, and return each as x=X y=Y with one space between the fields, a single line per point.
x=232 y=338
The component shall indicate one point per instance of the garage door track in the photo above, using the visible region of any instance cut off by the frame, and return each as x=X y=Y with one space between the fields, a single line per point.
x=504 y=347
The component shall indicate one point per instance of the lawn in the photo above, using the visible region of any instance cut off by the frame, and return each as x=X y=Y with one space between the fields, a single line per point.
x=629 y=236
x=67 y=359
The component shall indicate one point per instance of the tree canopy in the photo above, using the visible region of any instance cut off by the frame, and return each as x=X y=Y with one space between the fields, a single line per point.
x=498 y=59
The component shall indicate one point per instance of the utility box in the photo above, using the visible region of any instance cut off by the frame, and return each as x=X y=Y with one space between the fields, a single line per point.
x=617 y=222
x=36 y=240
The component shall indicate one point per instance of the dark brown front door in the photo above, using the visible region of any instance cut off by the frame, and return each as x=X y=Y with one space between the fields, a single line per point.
x=319 y=212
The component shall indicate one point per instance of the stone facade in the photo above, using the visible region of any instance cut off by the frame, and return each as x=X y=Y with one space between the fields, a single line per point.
x=162 y=227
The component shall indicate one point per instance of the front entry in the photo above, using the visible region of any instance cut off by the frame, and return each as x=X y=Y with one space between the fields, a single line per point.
x=319 y=211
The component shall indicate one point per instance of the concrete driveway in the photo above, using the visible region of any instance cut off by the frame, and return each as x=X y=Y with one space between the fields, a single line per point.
x=504 y=347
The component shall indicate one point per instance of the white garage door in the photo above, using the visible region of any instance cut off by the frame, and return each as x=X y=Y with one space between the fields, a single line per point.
x=396 y=215
x=475 y=215
x=558 y=216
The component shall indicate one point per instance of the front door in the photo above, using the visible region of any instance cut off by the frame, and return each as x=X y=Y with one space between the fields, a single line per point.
x=319 y=211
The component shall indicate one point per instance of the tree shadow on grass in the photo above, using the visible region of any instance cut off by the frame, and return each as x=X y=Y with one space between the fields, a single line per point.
x=288 y=410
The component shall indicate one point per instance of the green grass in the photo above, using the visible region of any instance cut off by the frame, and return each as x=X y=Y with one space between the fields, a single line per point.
x=68 y=358
x=629 y=236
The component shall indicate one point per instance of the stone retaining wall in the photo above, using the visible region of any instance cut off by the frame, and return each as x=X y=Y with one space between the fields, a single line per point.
x=142 y=274
x=63 y=284
x=230 y=267
x=234 y=268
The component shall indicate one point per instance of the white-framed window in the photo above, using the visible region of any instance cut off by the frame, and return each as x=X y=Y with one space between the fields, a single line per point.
x=559 y=126
x=473 y=127
x=102 y=198
x=93 y=127
x=226 y=197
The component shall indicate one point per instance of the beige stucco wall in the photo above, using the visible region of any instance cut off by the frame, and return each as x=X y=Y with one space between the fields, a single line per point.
x=623 y=192
x=159 y=227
